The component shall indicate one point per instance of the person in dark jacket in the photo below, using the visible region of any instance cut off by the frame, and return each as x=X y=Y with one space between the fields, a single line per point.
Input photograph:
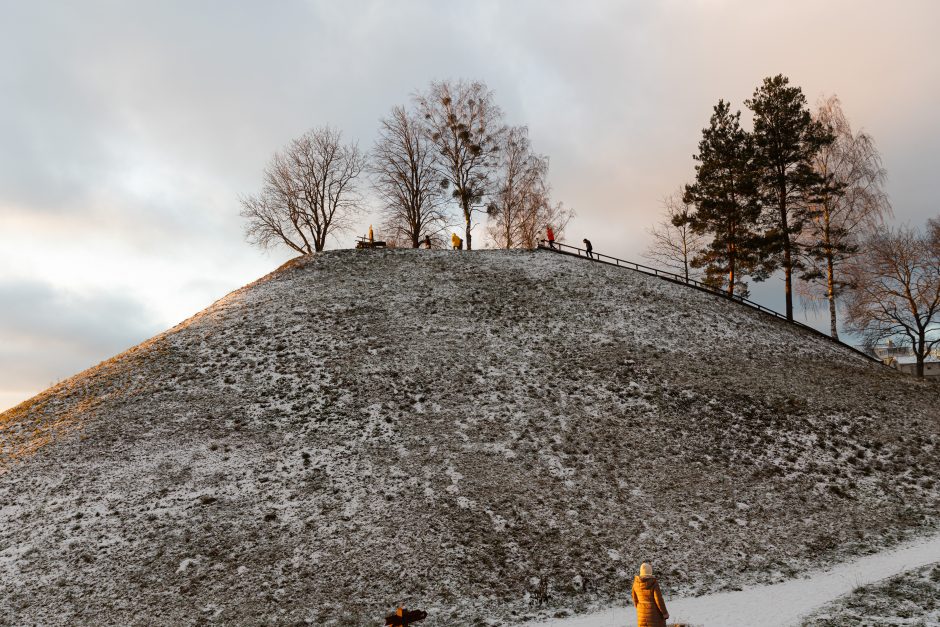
x=648 y=599
x=427 y=241
x=588 y=247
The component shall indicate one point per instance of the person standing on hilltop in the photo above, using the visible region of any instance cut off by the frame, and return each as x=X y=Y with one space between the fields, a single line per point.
x=648 y=599
x=371 y=238
x=551 y=236
x=427 y=241
x=456 y=241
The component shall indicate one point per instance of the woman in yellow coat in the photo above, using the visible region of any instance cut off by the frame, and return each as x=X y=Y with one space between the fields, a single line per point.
x=648 y=599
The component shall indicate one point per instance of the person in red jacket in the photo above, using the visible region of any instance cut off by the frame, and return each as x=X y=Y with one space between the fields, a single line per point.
x=551 y=237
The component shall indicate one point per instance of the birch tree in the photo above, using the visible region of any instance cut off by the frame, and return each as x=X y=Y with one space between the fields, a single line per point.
x=539 y=217
x=466 y=126
x=521 y=190
x=851 y=206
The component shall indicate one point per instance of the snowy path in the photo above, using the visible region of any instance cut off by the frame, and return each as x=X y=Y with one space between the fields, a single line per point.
x=778 y=605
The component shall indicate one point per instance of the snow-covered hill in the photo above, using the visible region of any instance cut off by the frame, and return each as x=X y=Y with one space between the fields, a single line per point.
x=470 y=433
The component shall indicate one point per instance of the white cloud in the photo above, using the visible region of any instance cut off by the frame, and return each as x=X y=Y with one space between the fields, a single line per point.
x=48 y=333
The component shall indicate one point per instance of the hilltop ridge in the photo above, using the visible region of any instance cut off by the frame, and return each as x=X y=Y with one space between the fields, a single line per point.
x=481 y=434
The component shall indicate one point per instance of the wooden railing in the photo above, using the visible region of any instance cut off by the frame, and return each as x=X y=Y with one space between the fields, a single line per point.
x=574 y=251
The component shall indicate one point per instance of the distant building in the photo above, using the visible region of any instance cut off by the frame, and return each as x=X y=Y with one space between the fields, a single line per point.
x=892 y=350
x=902 y=358
x=908 y=364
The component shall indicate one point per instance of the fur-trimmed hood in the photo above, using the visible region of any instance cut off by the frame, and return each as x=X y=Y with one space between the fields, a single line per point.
x=645 y=583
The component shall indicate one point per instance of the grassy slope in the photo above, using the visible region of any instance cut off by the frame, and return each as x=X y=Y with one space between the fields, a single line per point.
x=912 y=598
x=368 y=428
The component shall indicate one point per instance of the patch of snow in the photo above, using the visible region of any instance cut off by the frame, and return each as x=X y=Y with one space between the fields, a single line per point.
x=778 y=605
x=186 y=563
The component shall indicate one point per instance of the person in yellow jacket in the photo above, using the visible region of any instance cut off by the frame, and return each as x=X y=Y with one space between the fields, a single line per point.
x=648 y=599
x=371 y=238
x=456 y=241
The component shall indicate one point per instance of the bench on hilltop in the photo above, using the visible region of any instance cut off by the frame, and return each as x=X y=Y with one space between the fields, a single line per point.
x=365 y=242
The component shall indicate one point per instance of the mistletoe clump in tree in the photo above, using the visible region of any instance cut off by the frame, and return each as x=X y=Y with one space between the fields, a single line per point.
x=466 y=127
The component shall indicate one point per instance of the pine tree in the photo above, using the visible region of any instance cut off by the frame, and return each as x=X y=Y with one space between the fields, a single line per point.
x=786 y=138
x=724 y=195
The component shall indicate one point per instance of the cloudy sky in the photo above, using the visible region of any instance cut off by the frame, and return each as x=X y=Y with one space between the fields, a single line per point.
x=128 y=130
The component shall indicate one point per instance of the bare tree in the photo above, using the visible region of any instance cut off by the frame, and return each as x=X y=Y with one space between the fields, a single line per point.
x=896 y=293
x=674 y=244
x=466 y=126
x=521 y=189
x=539 y=216
x=853 y=205
x=404 y=176
x=310 y=190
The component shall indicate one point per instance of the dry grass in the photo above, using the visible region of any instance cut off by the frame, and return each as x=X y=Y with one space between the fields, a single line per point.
x=485 y=435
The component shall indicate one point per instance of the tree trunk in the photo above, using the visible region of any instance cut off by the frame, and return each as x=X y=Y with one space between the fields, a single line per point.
x=466 y=215
x=731 y=275
x=920 y=350
x=787 y=255
x=731 y=264
x=831 y=294
x=830 y=273
x=685 y=251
